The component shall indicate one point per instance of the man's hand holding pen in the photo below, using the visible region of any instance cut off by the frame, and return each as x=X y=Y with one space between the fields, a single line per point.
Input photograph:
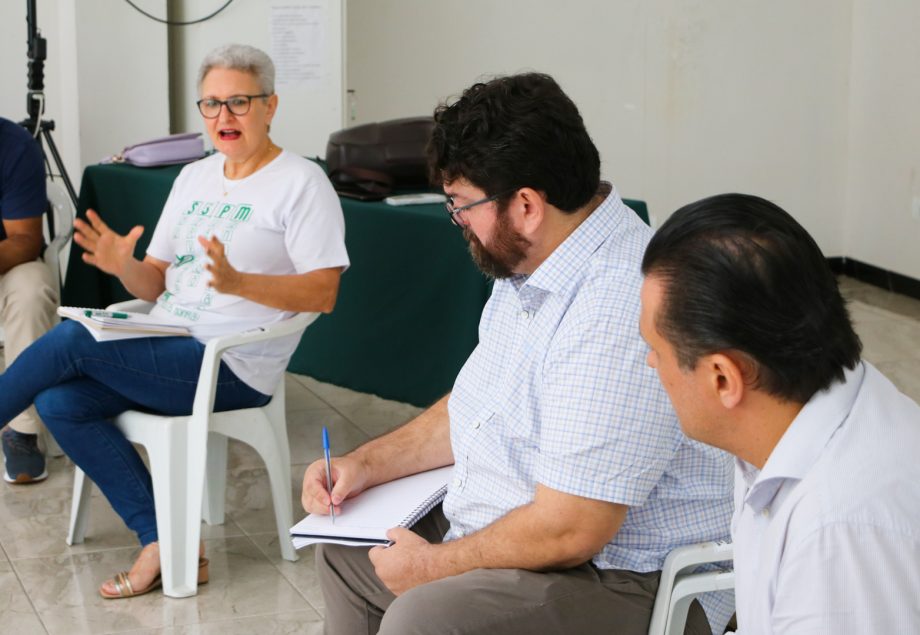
x=348 y=480
x=402 y=565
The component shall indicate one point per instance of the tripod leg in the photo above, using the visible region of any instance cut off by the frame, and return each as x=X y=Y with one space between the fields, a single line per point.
x=46 y=136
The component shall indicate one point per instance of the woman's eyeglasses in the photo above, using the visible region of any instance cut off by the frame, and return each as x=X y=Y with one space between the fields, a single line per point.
x=238 y=105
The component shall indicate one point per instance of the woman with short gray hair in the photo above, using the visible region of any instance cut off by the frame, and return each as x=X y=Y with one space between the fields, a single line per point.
x=248 y=237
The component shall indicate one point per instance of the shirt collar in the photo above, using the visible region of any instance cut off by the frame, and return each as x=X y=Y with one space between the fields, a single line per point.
x=567 y=261
x=804 y=441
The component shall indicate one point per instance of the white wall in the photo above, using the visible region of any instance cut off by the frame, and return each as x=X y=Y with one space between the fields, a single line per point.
x=306 y=115
x=810 y=104
x=684 y=98
x=122 y=75
x=104 y=90
x=884 y=157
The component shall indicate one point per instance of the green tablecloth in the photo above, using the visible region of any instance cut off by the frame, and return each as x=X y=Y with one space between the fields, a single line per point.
x=408 y=309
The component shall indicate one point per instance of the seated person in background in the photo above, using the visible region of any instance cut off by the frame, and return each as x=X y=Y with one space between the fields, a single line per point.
x=28 y=298
x=752 y=341
x=572 y=480
x=247 y=237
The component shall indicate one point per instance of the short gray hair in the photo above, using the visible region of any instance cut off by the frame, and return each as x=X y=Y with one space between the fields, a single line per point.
x=241 y=57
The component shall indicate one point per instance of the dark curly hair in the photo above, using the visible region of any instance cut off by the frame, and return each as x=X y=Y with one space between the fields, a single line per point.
x=512 y=132
x=740 y=273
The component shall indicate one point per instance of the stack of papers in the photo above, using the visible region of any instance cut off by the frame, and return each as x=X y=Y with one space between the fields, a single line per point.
x=118 y=325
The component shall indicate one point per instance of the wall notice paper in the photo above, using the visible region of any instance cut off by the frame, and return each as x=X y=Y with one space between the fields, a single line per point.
x=365 y=519
x=105 y=325
x=298 y=43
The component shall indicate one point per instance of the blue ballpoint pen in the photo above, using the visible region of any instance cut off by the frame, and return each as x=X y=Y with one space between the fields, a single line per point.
x=328 y=471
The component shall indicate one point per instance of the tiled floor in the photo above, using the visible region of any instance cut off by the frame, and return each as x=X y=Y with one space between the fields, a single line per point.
x=48 y=587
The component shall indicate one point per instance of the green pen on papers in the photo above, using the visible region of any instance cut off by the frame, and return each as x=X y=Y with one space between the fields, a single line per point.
x=106 y=314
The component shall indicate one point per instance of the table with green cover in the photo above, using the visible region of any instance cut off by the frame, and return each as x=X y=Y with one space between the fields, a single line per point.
x=408 y=308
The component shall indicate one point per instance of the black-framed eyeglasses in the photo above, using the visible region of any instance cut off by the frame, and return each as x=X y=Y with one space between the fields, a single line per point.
x=238 y=105
x=453 y=211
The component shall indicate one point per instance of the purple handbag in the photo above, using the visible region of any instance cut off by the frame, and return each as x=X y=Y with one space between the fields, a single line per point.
x=176 y=148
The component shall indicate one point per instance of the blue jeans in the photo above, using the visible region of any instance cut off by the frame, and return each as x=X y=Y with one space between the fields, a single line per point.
x=79 y=384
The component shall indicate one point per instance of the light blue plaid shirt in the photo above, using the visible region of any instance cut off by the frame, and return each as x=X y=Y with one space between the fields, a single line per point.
x=558 y=392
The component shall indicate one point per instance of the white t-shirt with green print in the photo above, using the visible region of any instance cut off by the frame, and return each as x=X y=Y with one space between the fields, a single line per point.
x=283 y=219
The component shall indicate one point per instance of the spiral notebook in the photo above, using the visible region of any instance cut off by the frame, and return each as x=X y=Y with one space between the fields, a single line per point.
x=365 y=519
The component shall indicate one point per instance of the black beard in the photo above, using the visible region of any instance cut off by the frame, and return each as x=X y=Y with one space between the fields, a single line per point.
x=506 y=251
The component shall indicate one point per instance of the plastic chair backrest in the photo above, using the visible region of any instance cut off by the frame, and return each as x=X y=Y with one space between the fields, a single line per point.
x=679 y=584
x=58 y=227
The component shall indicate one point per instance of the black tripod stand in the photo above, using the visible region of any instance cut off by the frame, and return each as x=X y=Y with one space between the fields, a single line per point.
x=35 y=105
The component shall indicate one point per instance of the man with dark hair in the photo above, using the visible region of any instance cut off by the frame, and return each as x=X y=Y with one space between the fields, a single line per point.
x=752 y=341
x=555 y=426
x=28 y=295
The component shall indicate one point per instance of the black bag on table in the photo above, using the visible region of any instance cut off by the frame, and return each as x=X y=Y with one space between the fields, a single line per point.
x=368 y=161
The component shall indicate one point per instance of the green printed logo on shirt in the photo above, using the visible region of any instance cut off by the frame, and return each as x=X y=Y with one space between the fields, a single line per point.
x=243 y=212
x=201 y=208
x=184 y=259
x=219 y=219
x=240 y=212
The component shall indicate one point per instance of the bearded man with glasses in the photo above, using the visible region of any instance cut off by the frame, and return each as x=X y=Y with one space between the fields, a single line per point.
x=572 y=479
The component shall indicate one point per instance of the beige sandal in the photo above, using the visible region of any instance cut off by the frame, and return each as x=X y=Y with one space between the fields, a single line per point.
x=123 y=588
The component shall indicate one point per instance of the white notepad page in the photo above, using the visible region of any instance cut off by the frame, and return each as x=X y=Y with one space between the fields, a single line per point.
x=365 y=519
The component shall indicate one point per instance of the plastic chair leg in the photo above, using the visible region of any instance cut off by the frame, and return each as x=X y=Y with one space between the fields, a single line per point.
x=215 y=480
x=173 y=492
x=79 y=507
x=281 y=483
x=279 y=474
x=276 y=453
x=268 y=437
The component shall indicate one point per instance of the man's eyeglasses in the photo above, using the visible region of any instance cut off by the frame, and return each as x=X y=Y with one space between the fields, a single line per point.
x=237 y=104
x=453 y=211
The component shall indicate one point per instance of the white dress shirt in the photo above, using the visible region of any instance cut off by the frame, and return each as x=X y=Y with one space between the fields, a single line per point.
x=827 y=534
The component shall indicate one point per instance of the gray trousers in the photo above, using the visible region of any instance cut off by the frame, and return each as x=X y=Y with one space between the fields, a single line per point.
x=581 y=600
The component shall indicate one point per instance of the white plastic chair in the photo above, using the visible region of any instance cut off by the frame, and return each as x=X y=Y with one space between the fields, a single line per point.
x=679 y=586
x=182 y=450
x=61 y=213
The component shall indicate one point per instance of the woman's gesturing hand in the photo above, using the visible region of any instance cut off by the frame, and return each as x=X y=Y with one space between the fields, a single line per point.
x=102 y=247
x=224 y=278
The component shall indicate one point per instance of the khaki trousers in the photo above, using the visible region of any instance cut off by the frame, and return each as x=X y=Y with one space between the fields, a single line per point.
x=579 y=601
x=28 y=300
